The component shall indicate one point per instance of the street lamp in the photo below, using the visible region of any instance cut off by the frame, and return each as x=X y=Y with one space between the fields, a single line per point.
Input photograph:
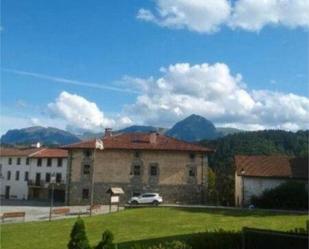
x=242 y=173
x=52 y=184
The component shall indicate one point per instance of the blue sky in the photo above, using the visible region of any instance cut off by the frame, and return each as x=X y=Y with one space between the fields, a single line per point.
x=106 y=43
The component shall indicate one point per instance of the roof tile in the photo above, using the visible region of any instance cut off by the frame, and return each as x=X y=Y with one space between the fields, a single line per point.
x=141 y=141
x=272 y=166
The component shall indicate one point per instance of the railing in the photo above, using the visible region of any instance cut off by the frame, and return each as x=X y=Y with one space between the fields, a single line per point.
x=44 y=184
x=36 y=183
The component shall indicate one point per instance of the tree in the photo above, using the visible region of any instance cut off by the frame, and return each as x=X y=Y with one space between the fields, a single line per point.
x=211 y=187
x=106 y=241
x=78 y=236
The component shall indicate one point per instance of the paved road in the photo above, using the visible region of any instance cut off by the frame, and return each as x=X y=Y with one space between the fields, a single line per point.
x=36 y=211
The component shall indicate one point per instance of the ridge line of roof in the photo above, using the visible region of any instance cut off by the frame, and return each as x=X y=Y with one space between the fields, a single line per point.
x=32 y=154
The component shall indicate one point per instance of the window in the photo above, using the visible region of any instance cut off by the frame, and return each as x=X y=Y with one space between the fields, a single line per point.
x=136 y=154
x=85 y=193
x=86 y=169
x=87 y=153
x=10 y=161
x=59 y=162
x=17 y=176
x=18 y=161
x=39 y=162
x=26 y=176
x=8 y=175
x=47 y=177
x=49 y=162
x=38 y=179
x=148 y=195
x=137 y=170
x=153 y=170
x=192 y=172
x=27 y=161
x=192 y=156
x=58 y=177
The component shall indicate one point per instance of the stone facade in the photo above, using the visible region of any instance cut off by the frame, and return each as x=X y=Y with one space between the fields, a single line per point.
x=179 y=176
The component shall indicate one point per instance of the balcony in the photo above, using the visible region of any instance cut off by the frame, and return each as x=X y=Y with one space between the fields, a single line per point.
x=44 y=184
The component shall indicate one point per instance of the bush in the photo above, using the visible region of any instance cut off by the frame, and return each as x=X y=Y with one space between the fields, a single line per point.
x=78 y=236
x=219 y=239
x=289 y=195
x=175 y=244
x=106 y=241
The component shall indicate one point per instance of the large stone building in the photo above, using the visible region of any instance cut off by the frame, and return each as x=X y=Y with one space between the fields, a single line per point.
x=254 y=174
x=138 y=163
x=26 y=173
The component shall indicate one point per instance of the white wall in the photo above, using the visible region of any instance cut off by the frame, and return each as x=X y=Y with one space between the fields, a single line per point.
x=253 y=186
x=18 y=188
x=54 y=168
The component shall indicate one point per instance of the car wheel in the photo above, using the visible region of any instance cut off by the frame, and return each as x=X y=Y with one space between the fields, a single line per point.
x=155 y=203
x=134 y=202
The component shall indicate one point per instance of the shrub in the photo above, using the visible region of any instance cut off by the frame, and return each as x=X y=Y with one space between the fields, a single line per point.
x=106 y=241
x=218 y=239
x=175 y=244
x=289 y=195
x=78 y=236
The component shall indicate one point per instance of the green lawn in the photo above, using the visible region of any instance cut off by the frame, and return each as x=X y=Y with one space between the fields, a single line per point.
x=142 y=224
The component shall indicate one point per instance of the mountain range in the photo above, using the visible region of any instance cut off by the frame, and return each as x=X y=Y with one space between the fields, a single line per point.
x=192 y=129
x=48 y=136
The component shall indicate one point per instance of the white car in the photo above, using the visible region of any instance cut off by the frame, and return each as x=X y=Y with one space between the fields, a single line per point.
x=146 y=198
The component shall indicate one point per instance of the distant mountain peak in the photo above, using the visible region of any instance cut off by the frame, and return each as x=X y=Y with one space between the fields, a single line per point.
x=193 y=128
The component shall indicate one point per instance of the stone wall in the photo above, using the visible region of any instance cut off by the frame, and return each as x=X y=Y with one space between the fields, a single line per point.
x=114 y=168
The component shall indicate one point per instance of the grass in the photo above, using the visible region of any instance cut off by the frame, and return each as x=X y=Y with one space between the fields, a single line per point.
x=145 y=224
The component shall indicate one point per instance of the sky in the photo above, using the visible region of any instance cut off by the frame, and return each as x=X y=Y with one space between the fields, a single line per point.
x=87 y=65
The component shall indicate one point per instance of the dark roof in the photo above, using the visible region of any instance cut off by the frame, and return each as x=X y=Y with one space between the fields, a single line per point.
x=141 y=141
x=277 y=166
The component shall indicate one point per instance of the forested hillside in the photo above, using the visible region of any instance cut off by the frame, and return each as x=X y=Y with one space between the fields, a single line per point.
x=266 y=142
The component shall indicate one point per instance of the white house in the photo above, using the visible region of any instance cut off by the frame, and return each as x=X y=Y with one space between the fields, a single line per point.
x=43 y=165
x=20 y=168
x=254 y=174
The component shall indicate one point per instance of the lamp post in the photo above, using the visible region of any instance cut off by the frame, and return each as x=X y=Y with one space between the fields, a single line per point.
x=52 y=184
x=242 y=172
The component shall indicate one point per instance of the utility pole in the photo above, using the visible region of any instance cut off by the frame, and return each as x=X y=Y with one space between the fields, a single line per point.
x=52 y=183
x=92 y=182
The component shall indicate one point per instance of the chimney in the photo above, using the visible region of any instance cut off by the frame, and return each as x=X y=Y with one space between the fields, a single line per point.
x=153 y=137
x=108 y=132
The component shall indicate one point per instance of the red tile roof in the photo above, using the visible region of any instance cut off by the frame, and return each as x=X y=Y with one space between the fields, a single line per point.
x=18 y=152
x=141 y=141
x=50 y=153
x=33 y=152
x=272 y=166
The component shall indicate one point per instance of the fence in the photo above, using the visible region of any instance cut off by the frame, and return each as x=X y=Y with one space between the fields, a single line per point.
x=259 y=238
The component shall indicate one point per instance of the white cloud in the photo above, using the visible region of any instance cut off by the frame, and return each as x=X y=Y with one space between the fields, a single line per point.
x=79 y=112
x=207 y=16
x=195 y=15
x=253 y=15
x=214 y=92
